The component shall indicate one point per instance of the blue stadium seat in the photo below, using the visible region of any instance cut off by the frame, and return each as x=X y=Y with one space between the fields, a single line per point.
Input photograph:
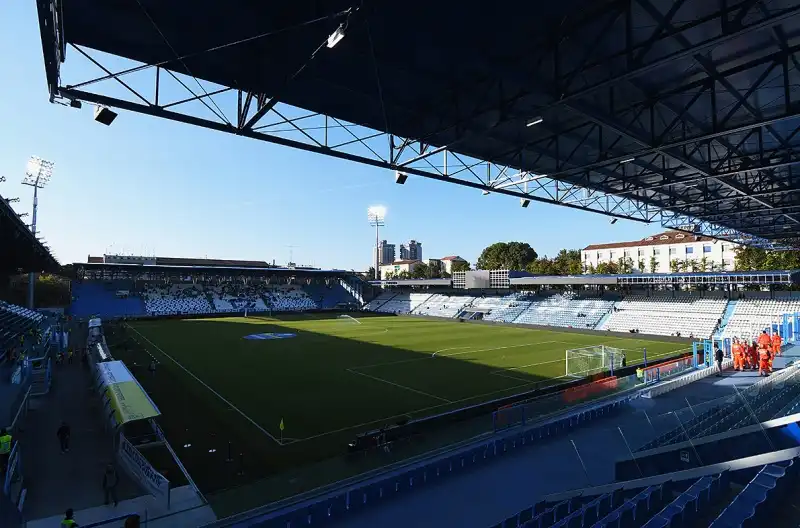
x=686 y=506
x=756 y=504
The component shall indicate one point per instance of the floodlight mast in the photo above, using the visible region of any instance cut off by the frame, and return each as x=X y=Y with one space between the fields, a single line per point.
x=37 y=175
x=377 y=216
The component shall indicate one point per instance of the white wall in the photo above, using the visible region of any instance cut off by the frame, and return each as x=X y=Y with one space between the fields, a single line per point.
x=663 y=254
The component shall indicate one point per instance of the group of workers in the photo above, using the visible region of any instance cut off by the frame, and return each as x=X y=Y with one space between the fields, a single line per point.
x=758 y=354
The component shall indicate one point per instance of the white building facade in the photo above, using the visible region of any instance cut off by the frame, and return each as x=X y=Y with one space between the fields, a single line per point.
x=655 y=253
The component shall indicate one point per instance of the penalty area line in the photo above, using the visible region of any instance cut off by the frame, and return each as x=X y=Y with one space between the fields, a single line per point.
x=204 y=384
x=399 y=386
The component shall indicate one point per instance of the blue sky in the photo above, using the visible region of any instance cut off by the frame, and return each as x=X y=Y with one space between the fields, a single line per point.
x=146 y=185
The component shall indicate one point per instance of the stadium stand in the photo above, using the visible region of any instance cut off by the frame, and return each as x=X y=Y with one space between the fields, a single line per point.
x=565 y=310
x=439 y=305
x=15 y=321
x=510 y=308
x=289 y=299
x=773 y=397
x=400 y=303
x=90 y=298
x=176 y=299
x=751 y=315
x=663 y=314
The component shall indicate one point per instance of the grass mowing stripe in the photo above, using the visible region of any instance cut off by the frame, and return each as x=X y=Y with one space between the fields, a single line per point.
x=399 y=385
x=204 y=384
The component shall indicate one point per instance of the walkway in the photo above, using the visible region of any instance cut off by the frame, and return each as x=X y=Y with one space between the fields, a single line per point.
x=492 y=492
x=59 y=481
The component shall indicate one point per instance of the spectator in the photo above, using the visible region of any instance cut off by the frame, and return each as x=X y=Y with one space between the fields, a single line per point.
x=110 y=482
x=69 y=519
x=718 y=356
x=63 y=434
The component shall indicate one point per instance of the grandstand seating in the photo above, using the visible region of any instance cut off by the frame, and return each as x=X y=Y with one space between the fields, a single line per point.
x=16 y=320
x=176 y=299
x=566 y=310
x=773 y=397
x=751 y=316
x=93 y=298
x=667 y=315
x=507 y=308
x=400 y=303
x=439 y=305
x=289 y=298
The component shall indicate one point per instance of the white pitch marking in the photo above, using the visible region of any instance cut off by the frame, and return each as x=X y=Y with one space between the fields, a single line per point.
x=360 y=367
x=204 y=384
x=399 y=386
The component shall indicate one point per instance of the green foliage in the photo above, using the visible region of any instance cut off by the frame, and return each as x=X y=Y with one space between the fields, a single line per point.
x=421 y=271
x=755 y=259
x=653 y=264
x=567 y=262
x=607 y=268
x=506 y=255
x=459 y=266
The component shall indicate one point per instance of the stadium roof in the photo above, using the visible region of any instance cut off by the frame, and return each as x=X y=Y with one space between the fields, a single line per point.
x=668 y=237
x=20 y=251
x=681 y=112
x=191 y=268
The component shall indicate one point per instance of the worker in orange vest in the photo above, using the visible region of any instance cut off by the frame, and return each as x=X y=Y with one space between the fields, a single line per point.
x=763 y=364
x=738 y=357
x=764 y=341
x=776 y=344
x=752 y=355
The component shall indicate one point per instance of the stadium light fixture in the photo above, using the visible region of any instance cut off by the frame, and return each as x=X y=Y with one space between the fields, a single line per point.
x=614 y=221
x=534 y=121
x=627 y=160
x=2 y=179
x=336 y=37
x=38 y=172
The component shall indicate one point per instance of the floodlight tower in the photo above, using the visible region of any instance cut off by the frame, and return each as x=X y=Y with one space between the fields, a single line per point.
x=377 y=215
x=37 y=175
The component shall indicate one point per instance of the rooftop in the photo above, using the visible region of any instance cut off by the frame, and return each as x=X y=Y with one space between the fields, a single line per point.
x=667 y=237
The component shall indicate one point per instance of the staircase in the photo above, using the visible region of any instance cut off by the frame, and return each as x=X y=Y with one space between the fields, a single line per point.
x=726 y=316
x=601 y=323
x=40 y=384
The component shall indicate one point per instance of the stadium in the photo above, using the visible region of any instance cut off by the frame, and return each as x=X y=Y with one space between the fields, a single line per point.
x=648 y=383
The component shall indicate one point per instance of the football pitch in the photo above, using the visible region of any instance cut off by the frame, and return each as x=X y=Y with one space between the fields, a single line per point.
x=289 y=391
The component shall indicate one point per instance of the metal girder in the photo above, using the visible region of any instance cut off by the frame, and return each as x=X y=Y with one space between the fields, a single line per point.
x=613 y=141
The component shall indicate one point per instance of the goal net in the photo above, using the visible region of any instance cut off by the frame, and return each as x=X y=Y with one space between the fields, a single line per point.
x=349 y=319
x=582 y=362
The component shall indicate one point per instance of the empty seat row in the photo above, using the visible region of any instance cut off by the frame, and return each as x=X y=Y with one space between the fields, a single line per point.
x=759 y=503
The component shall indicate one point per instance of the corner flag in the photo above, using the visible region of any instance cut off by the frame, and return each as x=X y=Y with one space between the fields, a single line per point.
x=281 y=425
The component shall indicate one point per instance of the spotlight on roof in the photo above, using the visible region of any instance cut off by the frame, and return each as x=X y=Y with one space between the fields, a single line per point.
x=485 y=193
x=400 y=177
x=534 y=121
x=104 y=115
x=614 y=221
x=74 y=103
x=336 y=36
x=524 y=202
x=627 y=160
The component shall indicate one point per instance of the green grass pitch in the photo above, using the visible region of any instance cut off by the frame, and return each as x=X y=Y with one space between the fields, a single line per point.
x=336 y=377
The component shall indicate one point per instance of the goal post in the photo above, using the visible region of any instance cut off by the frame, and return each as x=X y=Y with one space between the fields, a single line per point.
x=585 y=361
x=349 y=318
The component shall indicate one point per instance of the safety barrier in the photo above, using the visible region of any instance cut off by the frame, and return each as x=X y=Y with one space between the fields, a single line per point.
x=671 y=385
x=341 y=502
x=666 y=370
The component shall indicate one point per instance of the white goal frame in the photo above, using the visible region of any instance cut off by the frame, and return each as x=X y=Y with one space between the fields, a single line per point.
x=585 y=361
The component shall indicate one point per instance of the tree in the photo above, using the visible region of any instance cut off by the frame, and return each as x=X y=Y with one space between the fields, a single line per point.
x=693 y=264
x=371 y=273
x=641 y=265
x=420 y=271
x=506 y=255
x=653 y=264
x=704 y=263
x=674 y=265
x=459 y=265
x=607 y=268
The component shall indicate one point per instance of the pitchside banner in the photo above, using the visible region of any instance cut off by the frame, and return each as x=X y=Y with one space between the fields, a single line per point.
x=141 y=470
x=128 y=399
